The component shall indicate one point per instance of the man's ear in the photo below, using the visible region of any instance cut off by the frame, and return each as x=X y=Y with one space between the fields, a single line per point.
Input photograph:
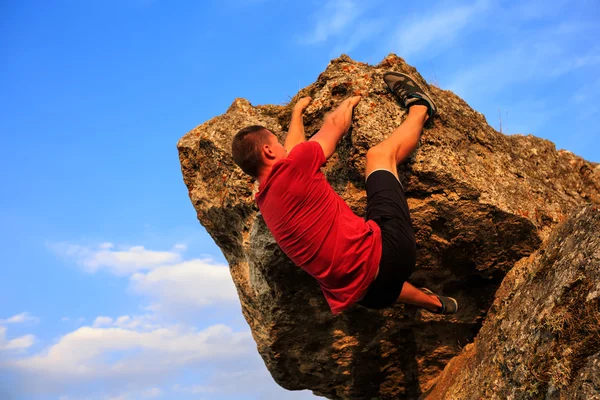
x=268 y=152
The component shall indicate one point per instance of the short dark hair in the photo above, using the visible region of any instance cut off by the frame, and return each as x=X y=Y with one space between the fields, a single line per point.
x=246 y=148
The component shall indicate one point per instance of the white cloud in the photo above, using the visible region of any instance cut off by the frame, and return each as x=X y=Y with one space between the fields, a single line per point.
x=590 y=59
x=588 y=94
x=193 y=389
x=541 y=57
x=129 y=354
x=167 y=279
x=106 y=246
x=255 y=381
x=351 y=23
x=535 y=9
x=20 y=318
x=439 y=28
x=144 y=322
x=194 y=283
x=130 y=394
x=152 y=392
x=79 y=320
x=180 y=247
x=363 y=31
x=102 y=321
x=20 y=343
x=123 y=261
x=332 y=19
x=244 y=3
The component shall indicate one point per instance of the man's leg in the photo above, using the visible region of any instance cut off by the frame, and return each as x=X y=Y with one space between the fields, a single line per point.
x=391 y=152
x=401 y=143
x=416 y=297
x=387 y=155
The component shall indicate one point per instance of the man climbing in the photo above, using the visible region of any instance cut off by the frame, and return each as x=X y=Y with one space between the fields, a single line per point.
x=355 y=260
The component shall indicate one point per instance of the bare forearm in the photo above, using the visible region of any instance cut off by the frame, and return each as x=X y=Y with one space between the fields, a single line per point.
x=330 y=134
x=335 y=126
x=295 y=133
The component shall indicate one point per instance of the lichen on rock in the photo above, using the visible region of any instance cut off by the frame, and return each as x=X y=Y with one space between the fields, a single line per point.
x=480 y=201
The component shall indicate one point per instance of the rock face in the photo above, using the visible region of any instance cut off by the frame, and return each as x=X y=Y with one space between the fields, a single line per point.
x=541 y=338
x=480 y=201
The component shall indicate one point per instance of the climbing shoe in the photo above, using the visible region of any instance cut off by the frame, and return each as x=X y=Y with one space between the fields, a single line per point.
x=449 y=305
x=408 y=91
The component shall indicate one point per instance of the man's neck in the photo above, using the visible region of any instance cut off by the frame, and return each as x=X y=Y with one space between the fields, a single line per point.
x=264 y=174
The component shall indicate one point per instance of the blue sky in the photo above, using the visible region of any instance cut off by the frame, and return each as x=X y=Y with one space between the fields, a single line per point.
x=109 y=287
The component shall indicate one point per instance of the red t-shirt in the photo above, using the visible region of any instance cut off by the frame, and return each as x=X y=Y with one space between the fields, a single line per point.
x=316 y=229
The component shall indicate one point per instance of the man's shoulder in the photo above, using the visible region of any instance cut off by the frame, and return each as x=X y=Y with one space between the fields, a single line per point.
x=309 y=145
x=308 y=155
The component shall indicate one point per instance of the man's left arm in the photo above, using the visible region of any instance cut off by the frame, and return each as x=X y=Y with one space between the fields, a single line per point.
x=295 y=133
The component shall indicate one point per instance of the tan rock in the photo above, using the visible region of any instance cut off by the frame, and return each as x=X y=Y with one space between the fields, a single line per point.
x=541 y=338
x=480 y=201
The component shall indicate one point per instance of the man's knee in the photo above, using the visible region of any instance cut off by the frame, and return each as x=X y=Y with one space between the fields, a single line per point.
x=379 y=153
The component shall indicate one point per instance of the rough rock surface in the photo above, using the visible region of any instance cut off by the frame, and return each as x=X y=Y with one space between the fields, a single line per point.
x=541 y=338
x=480 y=201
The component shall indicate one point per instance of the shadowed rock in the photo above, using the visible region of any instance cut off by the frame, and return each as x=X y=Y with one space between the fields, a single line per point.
x=480 y=201
x=541 y=338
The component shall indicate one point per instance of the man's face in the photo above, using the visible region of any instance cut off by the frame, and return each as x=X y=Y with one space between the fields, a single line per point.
x=277 y=148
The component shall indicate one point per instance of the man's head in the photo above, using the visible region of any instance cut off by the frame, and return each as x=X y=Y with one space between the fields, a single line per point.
x=254 y=148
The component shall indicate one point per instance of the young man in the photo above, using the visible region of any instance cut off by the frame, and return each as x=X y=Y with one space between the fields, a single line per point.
x=365 y=261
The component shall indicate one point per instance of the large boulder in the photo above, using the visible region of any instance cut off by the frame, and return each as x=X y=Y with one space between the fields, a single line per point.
x=480 y=201
x=541 y=338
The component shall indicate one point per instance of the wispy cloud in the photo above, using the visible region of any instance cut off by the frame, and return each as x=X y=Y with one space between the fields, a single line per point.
x=20 y=318
x=540 y=57
x=169 y=281
x=131 y=353
x=161 y=275
x=76 y=320
x=347 y=24
x=332 y=19
x=140 y=322
x=361 y=32
x=152 y=392
x=568 y=64
x=244 y=3
x=436 y=29
x=192 y=389
x=194 y=283
x=588 y=94
x=535 y=9
x=344 y=25
x=118 y=352
x=149 y=392
x=119 y=261
x=234 y=384
x=20 y=343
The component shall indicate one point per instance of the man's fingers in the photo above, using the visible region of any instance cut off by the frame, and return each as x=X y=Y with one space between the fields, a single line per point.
x=353 y=101
x=303 y=102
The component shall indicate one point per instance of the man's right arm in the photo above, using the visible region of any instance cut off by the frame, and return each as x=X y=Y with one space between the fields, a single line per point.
x=336 y=124
x=295 y=133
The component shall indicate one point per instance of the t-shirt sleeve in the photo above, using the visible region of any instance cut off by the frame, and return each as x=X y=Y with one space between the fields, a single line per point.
x=307 y=157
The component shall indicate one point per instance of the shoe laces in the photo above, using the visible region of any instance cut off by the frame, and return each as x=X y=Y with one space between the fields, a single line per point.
x=401 y=90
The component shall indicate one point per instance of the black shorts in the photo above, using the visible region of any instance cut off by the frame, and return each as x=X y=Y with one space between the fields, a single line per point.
x=387 y=206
